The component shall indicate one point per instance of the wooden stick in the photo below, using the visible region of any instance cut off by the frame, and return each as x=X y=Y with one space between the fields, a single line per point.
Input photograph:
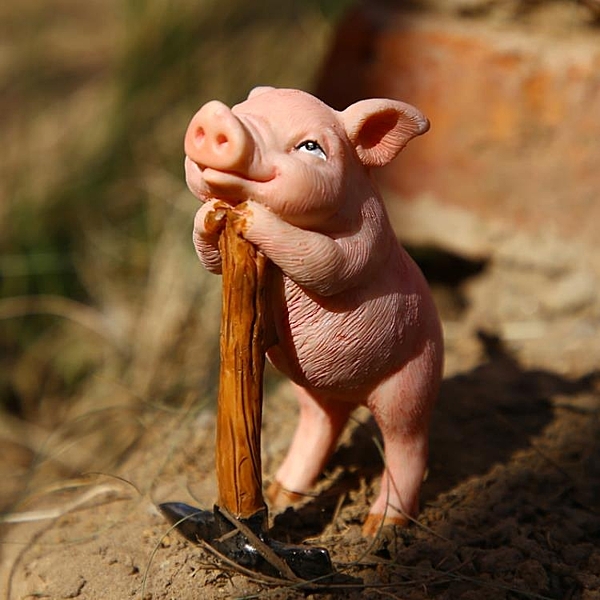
x=239 y=411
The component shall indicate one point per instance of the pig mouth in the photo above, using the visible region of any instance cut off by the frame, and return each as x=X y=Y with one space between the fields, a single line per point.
x=220 y=179
x=225 y=185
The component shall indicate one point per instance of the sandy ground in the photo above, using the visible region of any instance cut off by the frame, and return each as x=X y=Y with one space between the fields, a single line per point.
x=511 y=507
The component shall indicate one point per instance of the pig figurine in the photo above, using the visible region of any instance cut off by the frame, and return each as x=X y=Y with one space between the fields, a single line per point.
x=352 y=314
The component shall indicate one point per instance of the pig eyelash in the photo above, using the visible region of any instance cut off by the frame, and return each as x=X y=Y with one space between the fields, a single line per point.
x=313 y=148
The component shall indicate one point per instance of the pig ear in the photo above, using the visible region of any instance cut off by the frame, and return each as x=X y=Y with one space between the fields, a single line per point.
x=378 y=129
x=261 y=89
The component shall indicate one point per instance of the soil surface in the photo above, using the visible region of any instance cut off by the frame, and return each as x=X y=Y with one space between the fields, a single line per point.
x=511 y=506
x=510 y=509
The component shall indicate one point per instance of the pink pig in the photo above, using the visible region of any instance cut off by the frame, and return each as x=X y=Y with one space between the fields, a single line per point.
x=353 y=315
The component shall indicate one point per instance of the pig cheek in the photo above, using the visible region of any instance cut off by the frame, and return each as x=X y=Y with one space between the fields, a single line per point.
x=304 y=196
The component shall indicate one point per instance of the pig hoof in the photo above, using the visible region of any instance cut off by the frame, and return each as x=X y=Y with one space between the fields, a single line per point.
x=279 y=497
x=374 y=523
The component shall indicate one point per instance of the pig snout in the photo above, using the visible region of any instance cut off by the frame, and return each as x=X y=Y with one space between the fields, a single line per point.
x=218 y=140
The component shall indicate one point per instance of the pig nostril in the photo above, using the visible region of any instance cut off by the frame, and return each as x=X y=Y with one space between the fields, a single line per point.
x=221 y=139
x=199 y=135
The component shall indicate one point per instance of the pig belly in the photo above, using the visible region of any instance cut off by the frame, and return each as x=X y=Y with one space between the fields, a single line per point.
x=346 y=342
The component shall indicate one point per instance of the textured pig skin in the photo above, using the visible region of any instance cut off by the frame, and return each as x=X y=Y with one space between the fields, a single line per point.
x=352 y=314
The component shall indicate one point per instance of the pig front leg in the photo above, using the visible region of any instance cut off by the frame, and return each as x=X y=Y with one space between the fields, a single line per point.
x=313 y=260
x=208 y=223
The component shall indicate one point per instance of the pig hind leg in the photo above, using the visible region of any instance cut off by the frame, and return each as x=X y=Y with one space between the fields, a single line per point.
x=402 y=407
x=319 y=427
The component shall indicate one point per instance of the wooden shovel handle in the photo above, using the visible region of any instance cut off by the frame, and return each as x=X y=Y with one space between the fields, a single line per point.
x=242 y=349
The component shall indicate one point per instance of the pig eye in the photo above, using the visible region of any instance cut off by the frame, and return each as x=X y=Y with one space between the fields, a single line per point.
x=313 y=148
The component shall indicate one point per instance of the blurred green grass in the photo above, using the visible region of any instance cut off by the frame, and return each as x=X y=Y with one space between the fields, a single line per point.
x=102 y=302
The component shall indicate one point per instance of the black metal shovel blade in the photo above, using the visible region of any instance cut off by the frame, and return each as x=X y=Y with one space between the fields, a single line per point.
x=306 y=562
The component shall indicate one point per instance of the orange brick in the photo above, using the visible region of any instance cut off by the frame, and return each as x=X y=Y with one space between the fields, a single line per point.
x=515 y=114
